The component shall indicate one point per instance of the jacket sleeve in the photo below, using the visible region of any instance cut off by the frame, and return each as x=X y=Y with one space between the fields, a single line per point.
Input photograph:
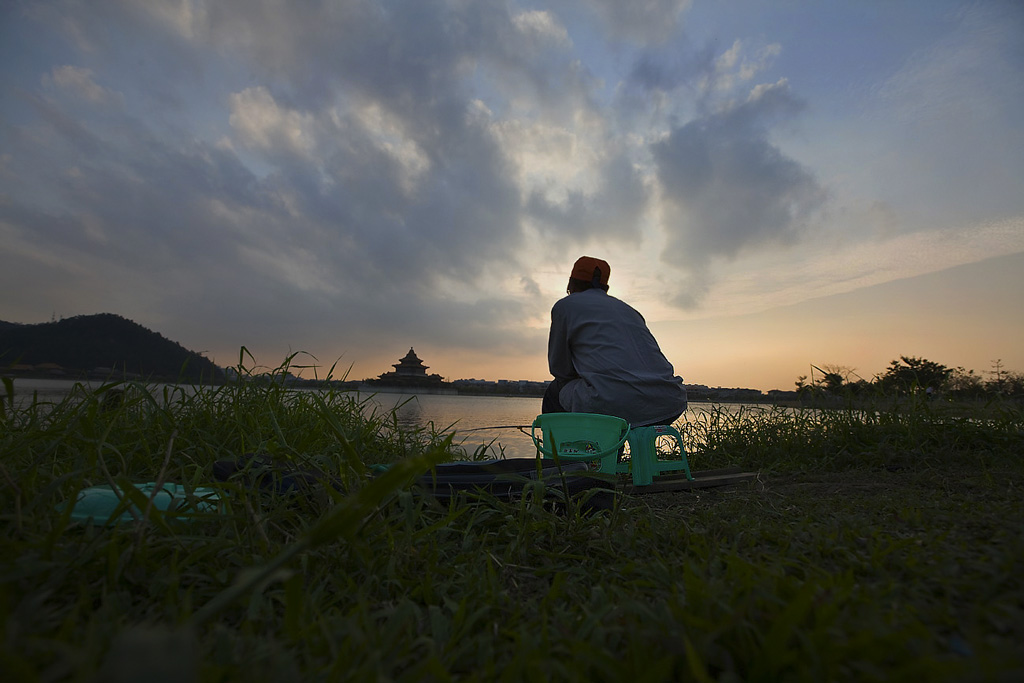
x=559 y=354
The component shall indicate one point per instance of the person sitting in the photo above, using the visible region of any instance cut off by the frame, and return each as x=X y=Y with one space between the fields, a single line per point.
x=603 y=357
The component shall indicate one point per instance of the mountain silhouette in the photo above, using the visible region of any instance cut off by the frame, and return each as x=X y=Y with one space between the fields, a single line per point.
x=99 y=343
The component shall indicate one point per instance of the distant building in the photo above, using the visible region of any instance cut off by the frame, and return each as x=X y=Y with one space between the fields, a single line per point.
x=503 y=387
x=409 y=366
x=410 y=371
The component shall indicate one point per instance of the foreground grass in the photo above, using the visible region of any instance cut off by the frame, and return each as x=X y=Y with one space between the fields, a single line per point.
x=876 y=545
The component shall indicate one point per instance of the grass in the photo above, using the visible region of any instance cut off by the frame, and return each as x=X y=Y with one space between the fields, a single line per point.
x=877 y=544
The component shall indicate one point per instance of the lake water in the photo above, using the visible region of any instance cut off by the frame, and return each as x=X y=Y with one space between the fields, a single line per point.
x=458 y=413
x=490 y=421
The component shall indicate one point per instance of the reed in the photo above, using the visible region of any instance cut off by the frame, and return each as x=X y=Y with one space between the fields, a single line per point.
x=877 y=544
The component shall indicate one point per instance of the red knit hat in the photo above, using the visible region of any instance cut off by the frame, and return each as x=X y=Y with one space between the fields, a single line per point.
x=585 y=267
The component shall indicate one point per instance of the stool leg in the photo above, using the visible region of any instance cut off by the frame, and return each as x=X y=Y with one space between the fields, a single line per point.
x=671 y=465
x=682 y=454
x=642 y=455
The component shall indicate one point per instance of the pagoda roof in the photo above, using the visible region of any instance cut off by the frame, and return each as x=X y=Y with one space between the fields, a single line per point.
x=411 y=358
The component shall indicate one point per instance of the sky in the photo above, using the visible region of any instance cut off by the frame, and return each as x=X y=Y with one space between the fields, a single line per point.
x=775 y=184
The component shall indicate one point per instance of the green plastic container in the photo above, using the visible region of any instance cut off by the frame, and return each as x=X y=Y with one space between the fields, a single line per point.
x=99 y=504
x=579 y=436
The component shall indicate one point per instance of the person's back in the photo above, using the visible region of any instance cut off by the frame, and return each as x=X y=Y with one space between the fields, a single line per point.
x=604 y=358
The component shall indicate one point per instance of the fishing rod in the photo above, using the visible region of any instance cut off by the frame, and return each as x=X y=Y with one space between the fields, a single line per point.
x=479 y=429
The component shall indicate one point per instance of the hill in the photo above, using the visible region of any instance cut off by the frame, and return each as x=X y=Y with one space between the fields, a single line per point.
x=104 y=344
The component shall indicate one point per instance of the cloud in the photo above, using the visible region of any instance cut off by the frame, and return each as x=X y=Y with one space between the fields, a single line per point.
x=354 y=193
x=702 y=72
x=641 y=21
x=613 y=210
x=736 y=66
x=828 y=267
x=261 y=123
x=385 y=153
x=541 y=28
x=80 y=81
x=726 y=188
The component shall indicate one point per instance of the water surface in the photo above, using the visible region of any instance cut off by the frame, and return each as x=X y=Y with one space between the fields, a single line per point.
x=501 y=424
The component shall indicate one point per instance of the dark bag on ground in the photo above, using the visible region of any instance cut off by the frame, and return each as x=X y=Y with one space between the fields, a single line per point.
x=273 y=476
x=502 y=479
x=507 y=479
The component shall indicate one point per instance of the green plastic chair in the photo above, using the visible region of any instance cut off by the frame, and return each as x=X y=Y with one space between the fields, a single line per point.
x=579 y=437
x=643 y=462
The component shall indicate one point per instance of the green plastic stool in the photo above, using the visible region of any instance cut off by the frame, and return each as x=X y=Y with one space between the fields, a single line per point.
x=579 y=437
x=643 y=455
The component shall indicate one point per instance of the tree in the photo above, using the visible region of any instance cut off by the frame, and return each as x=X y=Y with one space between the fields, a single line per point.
x=833 y=379
x=1014 y=384
x=997 y=384
x=909 y=374
x=965 y=384
x=1004 y=382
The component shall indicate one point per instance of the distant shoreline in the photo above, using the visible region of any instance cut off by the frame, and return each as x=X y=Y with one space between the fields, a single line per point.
x=525 y=388
x=511 y=390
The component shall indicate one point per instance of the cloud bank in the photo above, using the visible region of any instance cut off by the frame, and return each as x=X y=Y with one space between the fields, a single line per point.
x=365 y=175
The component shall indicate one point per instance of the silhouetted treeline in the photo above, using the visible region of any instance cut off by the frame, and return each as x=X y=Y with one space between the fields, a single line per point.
x=912 y=375
x=105 y=344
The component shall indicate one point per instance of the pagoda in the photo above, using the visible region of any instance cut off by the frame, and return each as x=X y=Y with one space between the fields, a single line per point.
x=410 y=370
x=410 y=366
